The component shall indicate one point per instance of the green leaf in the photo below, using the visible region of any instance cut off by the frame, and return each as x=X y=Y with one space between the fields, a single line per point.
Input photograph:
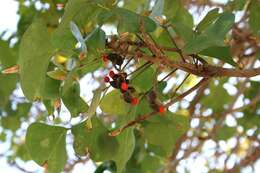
x=113 y=104
x=11 y=122
x=129 y=21
x=72 y=100
x=208 y=19
x=221 y=53
x=94 y=141
x=96 y=41
x=254 y=16
x=170 y=127
x=34 y=60
x=101 y=146
x=7 y=57
x=183 y=16
x=144 y=81
x=9 y=82
x=51 y=89
x=81 y=12
x=47 y=145
x=225 y=132
x=213 y=36
x=182 y=30
x=171 y=7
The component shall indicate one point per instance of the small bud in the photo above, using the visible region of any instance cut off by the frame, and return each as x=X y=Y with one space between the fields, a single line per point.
x=106 y=79
x=124 y=86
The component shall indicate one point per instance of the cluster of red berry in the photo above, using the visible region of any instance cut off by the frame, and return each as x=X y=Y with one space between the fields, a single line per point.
x=119 y=80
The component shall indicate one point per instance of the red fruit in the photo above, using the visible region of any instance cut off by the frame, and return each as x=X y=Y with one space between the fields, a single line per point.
x=124 y=86
x=134 y=101
x=161 y=109
x=111 y=74
x=105 y=58
x=106 y=79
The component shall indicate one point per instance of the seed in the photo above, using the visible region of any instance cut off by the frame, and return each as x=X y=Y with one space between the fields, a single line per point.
x=111 y=74
x=106 y=79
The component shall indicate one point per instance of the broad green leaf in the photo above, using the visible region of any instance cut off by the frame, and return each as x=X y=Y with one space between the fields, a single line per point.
x=81 y=12
x=47 y=145
x=213 y=36
x=129 y=21
x=254 y=16
x=171 y=7
x=208 y=19
x=183 y=16
x=103 y=147
x=182 y=30
x=11 y=122
x=34 y=59
x=96 y=41
x=170 y=127
x=113 y=104
x=51 y=89
x=9 y=82
x=143 y=81
x=72 y=100
x=221 y=53
x=225 y=132
x=95 y=141
x=126 y=142
x=7 y=57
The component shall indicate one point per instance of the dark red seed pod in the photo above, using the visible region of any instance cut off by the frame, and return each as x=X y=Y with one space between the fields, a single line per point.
x=106 y=79
x=114 y=84
x=111 y=74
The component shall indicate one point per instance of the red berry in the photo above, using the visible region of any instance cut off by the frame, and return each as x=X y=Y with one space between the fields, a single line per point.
x=106 y=79
x=161 y=109
x=134 y=101
x=124 y=86
x=105 y=58
x=111 y=74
